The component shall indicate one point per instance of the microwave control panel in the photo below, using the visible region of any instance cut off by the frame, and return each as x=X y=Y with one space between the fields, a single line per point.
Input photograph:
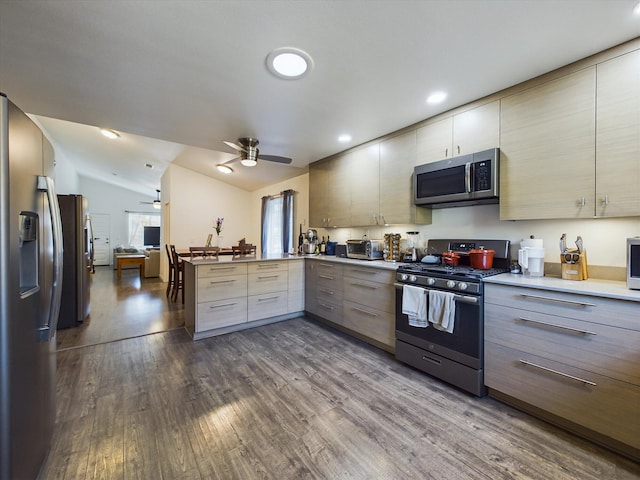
x=482 y=176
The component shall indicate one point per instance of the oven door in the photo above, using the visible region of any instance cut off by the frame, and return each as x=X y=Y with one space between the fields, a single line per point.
x=464 y=345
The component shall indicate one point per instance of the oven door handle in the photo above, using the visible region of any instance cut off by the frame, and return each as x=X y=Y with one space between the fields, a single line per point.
x=457 y=298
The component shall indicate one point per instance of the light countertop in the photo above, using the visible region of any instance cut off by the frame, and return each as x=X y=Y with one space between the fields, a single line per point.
x=594 y=287
x=241 y=259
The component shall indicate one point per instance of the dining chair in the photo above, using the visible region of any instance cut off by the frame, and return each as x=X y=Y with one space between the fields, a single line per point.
x=204 y=252
x=178 y=279
x=171 y=270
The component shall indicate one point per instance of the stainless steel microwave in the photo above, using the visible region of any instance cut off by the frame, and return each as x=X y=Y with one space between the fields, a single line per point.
x=633 y=263
x=465 y=180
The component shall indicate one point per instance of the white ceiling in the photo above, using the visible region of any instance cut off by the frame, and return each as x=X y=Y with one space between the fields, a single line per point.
x=179 y=77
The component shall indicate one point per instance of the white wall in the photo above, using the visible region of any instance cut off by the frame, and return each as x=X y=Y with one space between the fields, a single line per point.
x=66 y=177
x=604 y=239
x=300 y=185
x=114 y=201
x=195 y=201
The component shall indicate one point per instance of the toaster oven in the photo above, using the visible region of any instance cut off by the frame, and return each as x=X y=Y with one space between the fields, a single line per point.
x=365 y=249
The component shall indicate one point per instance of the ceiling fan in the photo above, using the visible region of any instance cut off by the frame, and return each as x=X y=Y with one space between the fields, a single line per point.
x=156 y=203
x=247 y=147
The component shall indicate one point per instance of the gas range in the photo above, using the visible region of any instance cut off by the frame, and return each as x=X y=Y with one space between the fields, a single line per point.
x=461 y=278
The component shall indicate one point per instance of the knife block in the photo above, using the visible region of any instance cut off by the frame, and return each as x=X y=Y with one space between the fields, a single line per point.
x=575 y=271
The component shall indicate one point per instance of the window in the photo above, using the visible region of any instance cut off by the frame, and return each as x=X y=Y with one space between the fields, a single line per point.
x=277 y=223
x=136 y=224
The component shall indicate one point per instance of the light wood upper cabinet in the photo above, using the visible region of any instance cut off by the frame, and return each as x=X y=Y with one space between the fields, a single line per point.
x=364 y=179
x=472 y=131
x=618 y=137
x=329 y=193
x=547 y=159
x=318 y=193
x=397 y=159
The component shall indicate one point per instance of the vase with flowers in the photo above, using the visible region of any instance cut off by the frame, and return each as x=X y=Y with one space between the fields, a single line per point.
x=218 y=229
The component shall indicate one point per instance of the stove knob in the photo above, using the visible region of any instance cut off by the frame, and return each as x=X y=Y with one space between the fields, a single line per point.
x=451 y=284
x=431 y=281
x=413 y=278
x=404 y=277
x=462 y=286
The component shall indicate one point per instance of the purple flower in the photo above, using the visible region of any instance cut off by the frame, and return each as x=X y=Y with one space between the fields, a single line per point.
x=218 y=226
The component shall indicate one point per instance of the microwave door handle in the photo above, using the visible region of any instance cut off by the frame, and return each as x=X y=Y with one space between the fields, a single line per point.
x=467 y=177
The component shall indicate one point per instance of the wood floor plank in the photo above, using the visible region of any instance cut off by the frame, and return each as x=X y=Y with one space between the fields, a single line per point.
x=292 y=400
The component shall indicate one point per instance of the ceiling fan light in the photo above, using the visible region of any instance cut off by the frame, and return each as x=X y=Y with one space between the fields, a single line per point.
x=248 y=162
x=157 y=205
x=226 y=169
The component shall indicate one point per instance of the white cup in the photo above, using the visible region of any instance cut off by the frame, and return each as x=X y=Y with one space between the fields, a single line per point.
x=532 y=261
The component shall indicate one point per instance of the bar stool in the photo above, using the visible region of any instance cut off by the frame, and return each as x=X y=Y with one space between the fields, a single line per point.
x=178 y=274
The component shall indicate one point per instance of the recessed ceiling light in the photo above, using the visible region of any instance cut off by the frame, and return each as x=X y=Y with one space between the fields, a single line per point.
x=224 y=168
x=109 y=133
x=289 y=63
x=436 y=97
x=344 y=138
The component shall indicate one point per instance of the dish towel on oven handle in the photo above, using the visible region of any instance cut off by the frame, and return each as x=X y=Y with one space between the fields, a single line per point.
x=414 y=305
x=442 y=310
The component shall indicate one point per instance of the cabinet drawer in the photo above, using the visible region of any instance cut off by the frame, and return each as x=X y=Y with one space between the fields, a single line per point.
x=374 y=295
x=609 y=407
x=370 y=322
x=271 y=266
x=327 y=268
x=590 y=346
x=221 y=270
x=369 y=273
x=325 y=309
x=268 y=281
x=328 y=293
x=617 y=313
x=267 y=305
x=220 y=288
x=223 y=313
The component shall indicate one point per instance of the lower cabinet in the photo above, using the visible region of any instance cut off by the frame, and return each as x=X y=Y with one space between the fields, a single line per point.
x=222 y=297
x=573 y=358
x=359 y=299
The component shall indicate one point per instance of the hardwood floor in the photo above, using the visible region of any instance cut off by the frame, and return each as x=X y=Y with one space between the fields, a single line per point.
x=291 y=400
x=122 y=308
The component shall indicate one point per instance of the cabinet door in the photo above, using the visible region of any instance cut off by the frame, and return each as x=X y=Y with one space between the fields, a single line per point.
x=338 y=209
x=477 y=129
x=318 y=194
x=547 y=147
x=397 y=159
x=364 y=182
x=618 y=137
x=435 y=141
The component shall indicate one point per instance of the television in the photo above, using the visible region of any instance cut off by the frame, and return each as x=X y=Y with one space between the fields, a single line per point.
x=151 y=236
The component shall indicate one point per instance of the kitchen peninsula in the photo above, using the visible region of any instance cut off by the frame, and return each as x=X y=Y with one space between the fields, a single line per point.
x=235 y=293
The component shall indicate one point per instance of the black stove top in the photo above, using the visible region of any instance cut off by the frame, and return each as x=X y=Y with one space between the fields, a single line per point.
x=462 y=271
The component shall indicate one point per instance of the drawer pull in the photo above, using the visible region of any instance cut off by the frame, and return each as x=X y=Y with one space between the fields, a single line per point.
x=328 y=307
x=574 y=330
x=222 y=305
x=358 y=284
x=215 y=269
x=328 y=292
x=326 y=277
x=435 y=361
x=364 y=311
x=328 y=265
x=222 y=281
x=559 y=300
x=268 y=298
x=550 y=370
x=263 y=277
x=368 y=272
x=268 y=265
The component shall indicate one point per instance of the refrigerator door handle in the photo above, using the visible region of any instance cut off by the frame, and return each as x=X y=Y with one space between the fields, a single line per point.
x=48 y=331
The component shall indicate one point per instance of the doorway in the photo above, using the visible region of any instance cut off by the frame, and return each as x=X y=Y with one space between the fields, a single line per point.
x=101 y=234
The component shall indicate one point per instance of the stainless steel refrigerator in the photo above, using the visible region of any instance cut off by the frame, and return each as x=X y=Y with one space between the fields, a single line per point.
x=77 y=240
x=30 y=286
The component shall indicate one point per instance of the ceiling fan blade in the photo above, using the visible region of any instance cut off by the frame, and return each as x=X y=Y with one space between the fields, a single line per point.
x=234 y=146
x=275 y=158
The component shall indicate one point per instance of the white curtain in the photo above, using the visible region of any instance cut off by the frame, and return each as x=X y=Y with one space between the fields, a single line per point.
x=277 y=223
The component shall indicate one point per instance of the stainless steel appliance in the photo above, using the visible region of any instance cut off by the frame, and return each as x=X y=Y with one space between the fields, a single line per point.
x=633 y=263
x=471 y=179
x=77 y=241
x=30 y=285
x=456 y=357
x=365 y=249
